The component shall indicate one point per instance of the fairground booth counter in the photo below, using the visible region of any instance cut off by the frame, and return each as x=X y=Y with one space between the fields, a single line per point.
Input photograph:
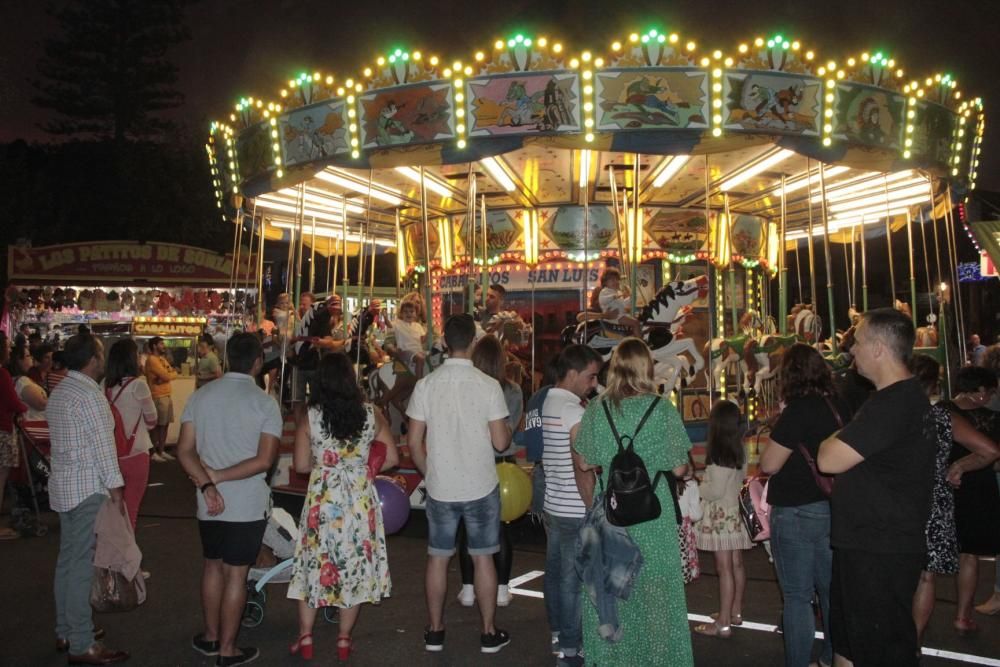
x=126 y=288
x=720 y=178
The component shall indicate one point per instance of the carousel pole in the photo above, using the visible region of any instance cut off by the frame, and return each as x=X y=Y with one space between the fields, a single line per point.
x=730 y=267
x=782 y=269
x=854 y=268
x=312 y=258
x=470 y=242
x=827 y=255
x=234 y=274
x=329 y=265
x=586 y=252
x=927 y=264
x=371 y=274
x=864 y=269
x=622 y=259
x=484 y=276
x=345 y=274
x=942 y=307
x=249 y=274
x=888 y=241
x=809 y=241
x=849 y=271
x=712 y=325
x=427 y=256
x=636 y=222
x=260 y=273
x=300 y=250
x=913 y=275
x=399 y=277
x=953 y=247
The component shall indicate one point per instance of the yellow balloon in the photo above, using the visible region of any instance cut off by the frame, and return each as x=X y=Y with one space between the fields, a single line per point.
x=515 y=491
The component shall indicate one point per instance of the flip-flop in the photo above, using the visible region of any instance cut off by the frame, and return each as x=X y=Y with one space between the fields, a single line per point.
x=714 y=630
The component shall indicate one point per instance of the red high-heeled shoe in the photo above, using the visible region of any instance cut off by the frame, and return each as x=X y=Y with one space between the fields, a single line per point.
x=301 y=647
x=344 y=649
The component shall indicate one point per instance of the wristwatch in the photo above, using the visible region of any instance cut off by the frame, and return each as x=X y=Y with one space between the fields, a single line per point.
x=205 y=486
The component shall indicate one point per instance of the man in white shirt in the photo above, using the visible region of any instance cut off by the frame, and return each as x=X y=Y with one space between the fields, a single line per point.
x=229 y=438
x=462 y=412
x=576 y=369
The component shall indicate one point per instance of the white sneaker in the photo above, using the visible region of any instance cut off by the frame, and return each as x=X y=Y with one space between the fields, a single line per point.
x=503 y=595
x=168 y=457
x=157 y=458
x=467 y=596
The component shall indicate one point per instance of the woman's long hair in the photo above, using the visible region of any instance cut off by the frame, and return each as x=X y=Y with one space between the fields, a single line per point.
x=339 y=398
x=489 y=356
x=123 y=362
x=14 y=365
x=630 y=372
x=725 y=436
x=804 y=372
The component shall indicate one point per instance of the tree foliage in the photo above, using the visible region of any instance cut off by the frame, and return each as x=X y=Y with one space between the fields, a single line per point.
x=107 y=76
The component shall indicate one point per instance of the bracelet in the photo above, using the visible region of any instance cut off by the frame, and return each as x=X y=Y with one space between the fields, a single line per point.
x=205 y=486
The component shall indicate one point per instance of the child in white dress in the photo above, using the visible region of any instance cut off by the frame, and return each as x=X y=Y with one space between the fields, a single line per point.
x=411 y=337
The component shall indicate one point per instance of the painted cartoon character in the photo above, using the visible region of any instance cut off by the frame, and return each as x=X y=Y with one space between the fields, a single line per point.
x=780 y=104
x=869 y=128
x=390 y=130
x=554 y=101
x=517 y=105
x=646 y=94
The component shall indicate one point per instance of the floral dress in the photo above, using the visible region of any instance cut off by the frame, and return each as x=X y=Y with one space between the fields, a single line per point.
x=721 y=528
x=942 y=540
x=340 y=559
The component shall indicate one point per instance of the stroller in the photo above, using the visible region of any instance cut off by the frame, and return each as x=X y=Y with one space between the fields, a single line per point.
x=280 y=536
x=30 y=478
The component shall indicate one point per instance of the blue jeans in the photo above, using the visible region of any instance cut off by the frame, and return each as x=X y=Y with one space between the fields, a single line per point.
x=482 y=524
x=562 y=585
x=800 y=542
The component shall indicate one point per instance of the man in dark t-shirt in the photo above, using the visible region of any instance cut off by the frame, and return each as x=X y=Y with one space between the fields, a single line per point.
x=884 y=462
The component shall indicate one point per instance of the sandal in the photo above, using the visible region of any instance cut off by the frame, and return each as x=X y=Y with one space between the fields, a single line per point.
x=965 y=626
x=714 y=630
x=303 y=645
x=991 y=607
x=344 y=647
x=736 y=619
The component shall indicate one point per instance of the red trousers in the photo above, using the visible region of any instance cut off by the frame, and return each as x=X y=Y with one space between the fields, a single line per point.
x=135 y=471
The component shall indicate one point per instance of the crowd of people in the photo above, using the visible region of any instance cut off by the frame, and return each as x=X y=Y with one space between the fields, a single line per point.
x=873 y=491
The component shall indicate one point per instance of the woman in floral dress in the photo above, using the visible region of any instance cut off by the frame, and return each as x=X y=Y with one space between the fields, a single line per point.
x=340 y=559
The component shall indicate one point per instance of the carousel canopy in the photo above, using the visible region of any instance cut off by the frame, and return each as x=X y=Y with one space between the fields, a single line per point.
x=536 y=135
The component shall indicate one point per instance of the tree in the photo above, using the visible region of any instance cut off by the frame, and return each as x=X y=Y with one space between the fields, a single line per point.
x=106 y=76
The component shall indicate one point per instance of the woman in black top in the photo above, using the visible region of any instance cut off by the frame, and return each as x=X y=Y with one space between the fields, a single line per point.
x=977 y=499
x=800 y=510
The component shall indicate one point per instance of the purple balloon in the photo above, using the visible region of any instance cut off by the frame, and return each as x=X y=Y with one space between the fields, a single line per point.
x=394 y=503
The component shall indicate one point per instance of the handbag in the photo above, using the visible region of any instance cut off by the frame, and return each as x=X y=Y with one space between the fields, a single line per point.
x=376 y=457
x=824 y=482
x=688 y=541
x=111 y=591
x=754 y=509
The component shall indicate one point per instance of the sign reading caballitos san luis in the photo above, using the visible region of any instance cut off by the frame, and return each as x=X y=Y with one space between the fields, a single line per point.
x=124 y=262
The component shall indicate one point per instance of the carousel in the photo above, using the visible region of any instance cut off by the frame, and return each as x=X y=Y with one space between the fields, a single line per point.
x=720 y=183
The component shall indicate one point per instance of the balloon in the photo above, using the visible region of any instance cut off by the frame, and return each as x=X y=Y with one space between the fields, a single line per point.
x=515 y=491
x=394 y=503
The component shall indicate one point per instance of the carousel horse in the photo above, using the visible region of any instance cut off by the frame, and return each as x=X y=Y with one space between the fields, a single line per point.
x=805 y=323
x=756 y=353
x=661 y=320
x=926 y=336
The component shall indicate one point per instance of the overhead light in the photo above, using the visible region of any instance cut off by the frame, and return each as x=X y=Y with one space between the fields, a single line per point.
x=320 y=197
x=874 y=206
x=755 y=169
x=803 y=181
x=498 y=173
x=328 y=231
x=876 y=183
x=379 y=192
x=584 y=168
x=294 y=210
x=669 y=171
x=430 y=183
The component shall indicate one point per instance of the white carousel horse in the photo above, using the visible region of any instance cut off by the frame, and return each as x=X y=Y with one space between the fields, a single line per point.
x=805 y=323
x=757 y=358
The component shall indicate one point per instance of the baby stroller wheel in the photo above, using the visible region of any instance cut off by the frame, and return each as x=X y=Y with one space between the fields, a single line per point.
x=331 y=614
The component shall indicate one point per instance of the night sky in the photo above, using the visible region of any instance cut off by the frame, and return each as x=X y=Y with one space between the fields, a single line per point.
x=246 y=47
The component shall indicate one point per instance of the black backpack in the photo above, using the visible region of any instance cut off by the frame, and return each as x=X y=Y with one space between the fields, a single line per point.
x=630 y=497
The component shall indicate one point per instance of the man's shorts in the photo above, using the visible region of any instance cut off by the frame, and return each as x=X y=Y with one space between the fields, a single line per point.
x=164 y=410
x=235 y=542
x=482 y=524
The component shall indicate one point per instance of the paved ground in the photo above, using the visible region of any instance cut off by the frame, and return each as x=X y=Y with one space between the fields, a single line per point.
x=158 y=633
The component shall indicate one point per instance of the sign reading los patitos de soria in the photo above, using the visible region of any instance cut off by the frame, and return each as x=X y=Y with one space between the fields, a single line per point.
x=125 y=263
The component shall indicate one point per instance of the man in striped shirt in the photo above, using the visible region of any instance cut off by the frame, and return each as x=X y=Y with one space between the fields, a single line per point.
x=84 y=474
x=577 y=368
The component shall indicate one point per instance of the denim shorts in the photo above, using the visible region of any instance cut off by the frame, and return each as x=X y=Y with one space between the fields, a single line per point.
x=482 y=524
